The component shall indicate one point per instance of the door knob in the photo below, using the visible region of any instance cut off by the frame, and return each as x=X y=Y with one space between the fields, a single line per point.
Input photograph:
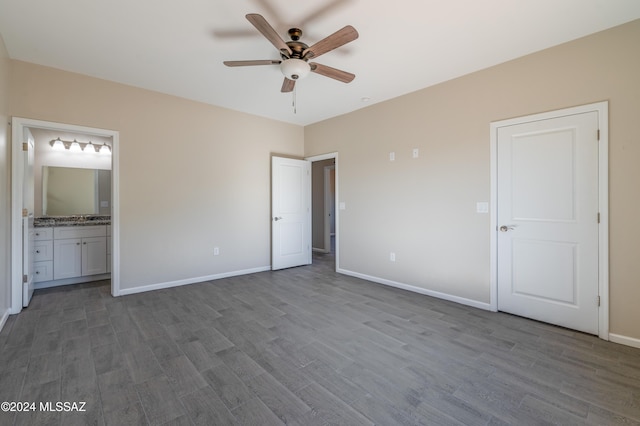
x=277 y=218
x=505 y=228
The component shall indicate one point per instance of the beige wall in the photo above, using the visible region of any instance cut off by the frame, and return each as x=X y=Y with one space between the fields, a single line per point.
x=192 y=176
x=5 y=203
x=424 y=209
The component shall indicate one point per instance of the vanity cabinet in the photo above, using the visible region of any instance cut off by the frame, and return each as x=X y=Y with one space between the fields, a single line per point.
x=79 y=251
x=43 y=254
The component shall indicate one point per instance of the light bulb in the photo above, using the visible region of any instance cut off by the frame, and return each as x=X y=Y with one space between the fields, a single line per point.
x=75 y=147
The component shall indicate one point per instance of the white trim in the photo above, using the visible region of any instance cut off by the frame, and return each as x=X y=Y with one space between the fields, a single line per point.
x=624 y=340
x=5 y=317
x=321 y=157
x=420 y=290
x=187 y=281
x=18 y=126
x=328 y=156
x=602 y=108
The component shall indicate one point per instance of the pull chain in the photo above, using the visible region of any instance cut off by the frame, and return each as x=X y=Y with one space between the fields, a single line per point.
x=295 y=106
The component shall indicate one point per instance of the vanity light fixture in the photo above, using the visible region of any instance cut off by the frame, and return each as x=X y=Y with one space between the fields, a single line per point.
x=57 y=144
x=91 y=145
x=74 y=145
x=105 y=149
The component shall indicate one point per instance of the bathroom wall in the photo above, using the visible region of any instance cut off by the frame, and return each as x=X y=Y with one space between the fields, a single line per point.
x=45 y=155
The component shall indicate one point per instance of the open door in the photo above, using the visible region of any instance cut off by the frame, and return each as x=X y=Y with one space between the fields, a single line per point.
x=28 y=232
x=290 y=212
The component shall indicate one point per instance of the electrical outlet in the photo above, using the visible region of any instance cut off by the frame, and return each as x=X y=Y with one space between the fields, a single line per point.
x=216 y=251
x=392 y=256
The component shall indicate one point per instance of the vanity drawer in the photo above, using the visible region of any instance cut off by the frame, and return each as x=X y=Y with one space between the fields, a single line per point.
x=43 y=234
x=42 y=250
x=64 y=232
x=43 y=271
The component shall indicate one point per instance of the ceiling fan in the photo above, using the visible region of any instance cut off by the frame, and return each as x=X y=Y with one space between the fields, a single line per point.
x=296 y=54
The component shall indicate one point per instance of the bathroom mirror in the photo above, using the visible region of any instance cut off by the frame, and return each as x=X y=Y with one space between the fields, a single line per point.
x=74 y=191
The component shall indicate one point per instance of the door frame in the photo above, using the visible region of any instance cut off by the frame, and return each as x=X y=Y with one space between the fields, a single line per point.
x=327 y=207
x=328 y=156
x=602 y=108
x=18 y=125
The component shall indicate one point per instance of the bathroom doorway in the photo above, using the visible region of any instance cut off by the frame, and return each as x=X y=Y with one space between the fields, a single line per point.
x=22 y=184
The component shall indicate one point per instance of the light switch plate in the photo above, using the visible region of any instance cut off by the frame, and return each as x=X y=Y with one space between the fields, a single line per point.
x=482 y=207
x=343 y=205
x=415 y=153
x=392 y=156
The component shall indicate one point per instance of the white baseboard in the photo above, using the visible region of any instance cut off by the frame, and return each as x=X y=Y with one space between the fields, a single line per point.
x=5 y=317
x=420 y=290
x=178 y=283
x=624 y=340
x=319 y=250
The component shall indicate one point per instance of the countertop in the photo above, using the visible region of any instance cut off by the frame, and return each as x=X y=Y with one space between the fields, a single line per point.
x=89 y=220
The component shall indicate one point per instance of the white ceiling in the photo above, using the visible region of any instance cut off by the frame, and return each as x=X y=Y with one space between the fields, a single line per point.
x=177 y=47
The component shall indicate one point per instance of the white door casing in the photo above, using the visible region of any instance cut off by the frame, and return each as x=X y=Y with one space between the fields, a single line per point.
x=28 y=231
x=334 y=201
x=547 y=197
x=290 y=212
x=329 y=206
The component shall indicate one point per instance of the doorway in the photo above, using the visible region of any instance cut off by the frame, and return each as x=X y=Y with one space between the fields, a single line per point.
x=324 y=181
x=549 y=218
x=20 y=180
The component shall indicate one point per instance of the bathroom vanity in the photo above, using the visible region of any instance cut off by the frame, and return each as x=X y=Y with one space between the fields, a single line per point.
x=71 y=250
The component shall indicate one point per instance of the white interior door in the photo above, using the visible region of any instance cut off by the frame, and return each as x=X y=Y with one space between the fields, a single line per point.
x=28 y=232
x=290 y=212
x=547 y=217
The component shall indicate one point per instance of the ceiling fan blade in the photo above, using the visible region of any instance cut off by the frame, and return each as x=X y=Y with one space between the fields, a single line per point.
x=288 y=85
x=267 y=30
x=335 y=40
x=251 y=63
x=336 y=74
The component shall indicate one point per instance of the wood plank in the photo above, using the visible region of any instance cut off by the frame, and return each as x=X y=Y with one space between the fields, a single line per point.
x=305 y=346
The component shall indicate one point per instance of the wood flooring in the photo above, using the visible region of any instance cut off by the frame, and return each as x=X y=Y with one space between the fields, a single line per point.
x=303 y=346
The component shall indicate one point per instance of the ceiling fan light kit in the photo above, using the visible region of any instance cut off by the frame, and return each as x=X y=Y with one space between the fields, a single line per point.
x=295 y=69
x=296 y=54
